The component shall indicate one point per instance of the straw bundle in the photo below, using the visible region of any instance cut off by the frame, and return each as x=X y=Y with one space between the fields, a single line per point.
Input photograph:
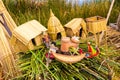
x=10 y=23
x=6 y=57
x=55 y=27
x=68 y=58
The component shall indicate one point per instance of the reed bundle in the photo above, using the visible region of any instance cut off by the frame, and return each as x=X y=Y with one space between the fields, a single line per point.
x=6 y=56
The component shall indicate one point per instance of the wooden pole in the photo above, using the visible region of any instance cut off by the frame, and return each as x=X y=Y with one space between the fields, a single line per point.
x=118 y=22
x=108 y=15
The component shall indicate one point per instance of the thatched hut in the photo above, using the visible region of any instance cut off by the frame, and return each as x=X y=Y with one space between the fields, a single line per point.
x=96 y=24
x=28 y=36
x=76 y=27
x=55 y=28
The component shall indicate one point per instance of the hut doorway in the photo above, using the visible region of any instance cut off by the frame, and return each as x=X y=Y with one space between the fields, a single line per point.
x=59 y=35
x=80 y=32
x=1 y=71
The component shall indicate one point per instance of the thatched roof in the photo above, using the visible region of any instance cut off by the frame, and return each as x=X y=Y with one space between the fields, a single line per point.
x=75 y=24
x=28 y=31
x=54 y=25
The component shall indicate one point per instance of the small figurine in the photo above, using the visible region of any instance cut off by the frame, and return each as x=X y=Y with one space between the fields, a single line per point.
x=50 y=55
x=66 y=43
x=46 y=40
x=51 y=51
x=53 y=48
x=75 y=41
x=80 y=51
x=92 y=52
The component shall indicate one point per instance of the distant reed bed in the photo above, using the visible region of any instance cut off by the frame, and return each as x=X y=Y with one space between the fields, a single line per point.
x=24 y=10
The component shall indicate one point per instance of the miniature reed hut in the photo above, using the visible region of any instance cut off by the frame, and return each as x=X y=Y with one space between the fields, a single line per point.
x=95 y=25
x=55 y=28
x=76 y=27
x=28 y=36
x=6 y=22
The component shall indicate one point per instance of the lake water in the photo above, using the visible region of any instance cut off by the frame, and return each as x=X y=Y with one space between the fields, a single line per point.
x=78 y=2
x=72 y=1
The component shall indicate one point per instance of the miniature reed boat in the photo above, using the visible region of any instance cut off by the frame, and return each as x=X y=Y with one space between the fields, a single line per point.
x=68 y=58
